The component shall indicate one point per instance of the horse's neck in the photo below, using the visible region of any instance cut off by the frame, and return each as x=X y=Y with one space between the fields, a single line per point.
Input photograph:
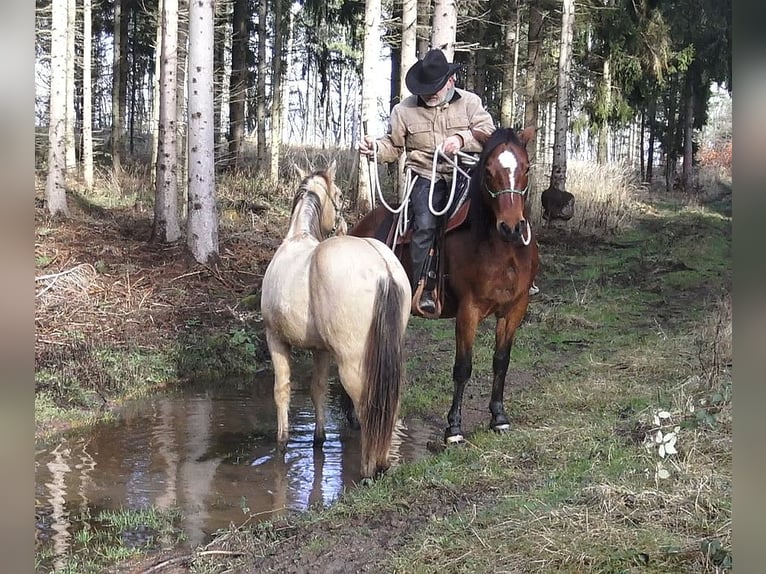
x=305 y=221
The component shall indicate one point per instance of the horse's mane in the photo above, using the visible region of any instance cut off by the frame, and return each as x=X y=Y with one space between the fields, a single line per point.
x=480 y=218
x=313 y=203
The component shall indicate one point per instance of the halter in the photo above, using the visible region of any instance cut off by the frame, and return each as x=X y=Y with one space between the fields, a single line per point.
x=494 y=194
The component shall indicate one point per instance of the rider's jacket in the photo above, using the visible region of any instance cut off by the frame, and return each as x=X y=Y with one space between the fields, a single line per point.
x=418 y=130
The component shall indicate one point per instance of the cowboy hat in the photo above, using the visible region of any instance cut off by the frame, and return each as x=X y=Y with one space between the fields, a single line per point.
x=428 y=76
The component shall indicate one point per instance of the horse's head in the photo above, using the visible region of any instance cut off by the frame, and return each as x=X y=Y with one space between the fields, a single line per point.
x=500 y=184
x=328 y=197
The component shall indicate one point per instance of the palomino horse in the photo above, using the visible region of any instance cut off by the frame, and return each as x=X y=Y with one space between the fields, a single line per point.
x=345 y=298
x=489 y=265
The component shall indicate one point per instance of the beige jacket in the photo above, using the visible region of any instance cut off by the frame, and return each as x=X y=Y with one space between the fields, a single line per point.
x=418 y=130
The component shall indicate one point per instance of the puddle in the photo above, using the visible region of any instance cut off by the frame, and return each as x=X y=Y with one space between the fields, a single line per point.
x=210 y=452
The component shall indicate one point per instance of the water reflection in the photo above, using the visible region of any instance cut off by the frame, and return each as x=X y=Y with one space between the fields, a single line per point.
x=211 y=453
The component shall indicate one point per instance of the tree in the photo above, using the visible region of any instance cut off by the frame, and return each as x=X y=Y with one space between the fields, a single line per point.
x=444 y=30
x=563 y=105
x=87 y=95
x=277 y=109
x=239 y=80
x=260 y=97
x=202 y=221
x=371 y=51
x=534 y=65
x=71 y=116
x=166 y=228
x=55 y=187
x=119 y=81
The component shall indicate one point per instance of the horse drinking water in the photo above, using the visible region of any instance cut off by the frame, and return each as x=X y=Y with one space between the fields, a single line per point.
x=489 y=265
x=344 y=298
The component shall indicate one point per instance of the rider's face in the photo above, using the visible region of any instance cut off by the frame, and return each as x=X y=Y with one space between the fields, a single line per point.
x=438 y=97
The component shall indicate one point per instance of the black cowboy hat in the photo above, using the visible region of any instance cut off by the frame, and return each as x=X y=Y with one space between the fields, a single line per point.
x=428 y=76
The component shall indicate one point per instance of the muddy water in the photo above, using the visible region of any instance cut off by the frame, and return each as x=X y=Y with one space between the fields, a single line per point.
x=209 y=452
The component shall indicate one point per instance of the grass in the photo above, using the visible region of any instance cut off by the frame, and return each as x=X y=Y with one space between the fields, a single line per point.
x=633 y=322
x=110 y=537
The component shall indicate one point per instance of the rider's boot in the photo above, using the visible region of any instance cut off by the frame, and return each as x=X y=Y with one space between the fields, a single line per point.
x=419 y=248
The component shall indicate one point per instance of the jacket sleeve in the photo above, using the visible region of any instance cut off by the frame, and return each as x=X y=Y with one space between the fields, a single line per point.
x=478 y=119
x=391 y=145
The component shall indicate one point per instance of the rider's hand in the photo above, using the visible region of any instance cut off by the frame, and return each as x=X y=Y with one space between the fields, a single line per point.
x=452 y=144
x=366 y=146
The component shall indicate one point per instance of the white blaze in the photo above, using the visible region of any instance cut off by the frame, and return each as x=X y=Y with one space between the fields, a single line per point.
x=508 y=161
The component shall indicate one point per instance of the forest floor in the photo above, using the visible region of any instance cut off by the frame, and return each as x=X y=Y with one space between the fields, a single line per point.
x=627 y=328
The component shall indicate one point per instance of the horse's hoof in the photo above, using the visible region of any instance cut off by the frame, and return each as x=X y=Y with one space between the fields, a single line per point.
x=454 y=439
x=366 y=482
x=501 y=428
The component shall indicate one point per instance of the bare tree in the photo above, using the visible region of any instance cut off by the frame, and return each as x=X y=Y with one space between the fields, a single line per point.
x=444 y=31
x=87 y=94
x=559 y=168
x=280 y=23
x=260 y=87
x=156 y=88
x=55 y=187
x=202 y=221
x=71 y=116
x=534 y=65
x=166 y=227
x=510 y=45
x=238 y=85
x=118 y=63
x=371 y=53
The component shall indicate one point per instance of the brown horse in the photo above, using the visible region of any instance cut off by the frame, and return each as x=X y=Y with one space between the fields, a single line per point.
x=489 y=265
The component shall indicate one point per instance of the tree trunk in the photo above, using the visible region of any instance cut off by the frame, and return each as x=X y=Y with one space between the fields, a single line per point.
x=261 y=84
x=534 y=64
x=652 y=138
x=55 y=185
x=602 y=156
x=71 y=116
x=686 y=174
x=444 y=29
x=182 y=119
x=156 y=88
x=219 y=59
x=87 y=95
x=117 y=125
x=559 y=167
x=408 y=56
x=372 y=10
x=276 y=89
x=166 y=227
x=423 y=27
x=238 y=85
x=510 y=45
x=202 y=220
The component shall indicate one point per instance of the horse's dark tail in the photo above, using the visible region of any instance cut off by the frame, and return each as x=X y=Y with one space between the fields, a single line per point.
x=383 y=374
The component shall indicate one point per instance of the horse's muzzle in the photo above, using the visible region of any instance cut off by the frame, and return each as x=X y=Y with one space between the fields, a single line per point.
x=519 y=233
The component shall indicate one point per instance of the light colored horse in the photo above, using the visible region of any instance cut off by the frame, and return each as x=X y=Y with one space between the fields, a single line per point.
x=345 y=298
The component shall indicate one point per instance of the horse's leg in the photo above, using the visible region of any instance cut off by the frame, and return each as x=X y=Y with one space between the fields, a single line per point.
x=280 y=359
x=465 y=333
x=318 y=392
x=351 y=377
x=504 y=333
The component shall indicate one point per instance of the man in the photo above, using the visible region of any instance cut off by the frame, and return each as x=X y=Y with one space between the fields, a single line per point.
x=437 y=114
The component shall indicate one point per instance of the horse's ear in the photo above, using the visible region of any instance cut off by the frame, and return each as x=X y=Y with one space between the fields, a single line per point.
x=480 y=136
x=527 y=134
x=301 y=174
x=331 y=170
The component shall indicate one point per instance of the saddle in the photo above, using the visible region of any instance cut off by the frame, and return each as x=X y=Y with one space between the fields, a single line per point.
x=435 y=274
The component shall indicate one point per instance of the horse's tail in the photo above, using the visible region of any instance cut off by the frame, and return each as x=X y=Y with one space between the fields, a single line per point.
x=383 y=372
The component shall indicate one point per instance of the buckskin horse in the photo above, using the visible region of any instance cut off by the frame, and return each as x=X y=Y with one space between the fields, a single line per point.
x=489 y=263
x=345 y=298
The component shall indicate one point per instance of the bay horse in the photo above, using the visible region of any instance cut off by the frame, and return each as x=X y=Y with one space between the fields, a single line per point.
x=489 y=265
x=346 y=299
